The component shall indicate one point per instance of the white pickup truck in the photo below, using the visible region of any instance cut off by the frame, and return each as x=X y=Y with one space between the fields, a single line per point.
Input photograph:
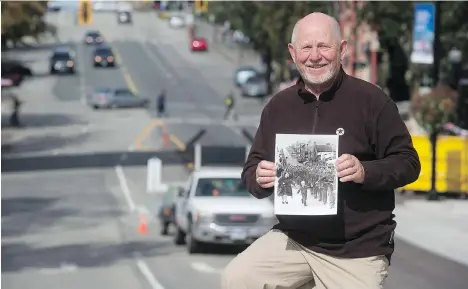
x=214 y=207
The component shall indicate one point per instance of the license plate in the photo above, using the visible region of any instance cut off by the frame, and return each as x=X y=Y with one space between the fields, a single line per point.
x=238 y=235
x=104 y=62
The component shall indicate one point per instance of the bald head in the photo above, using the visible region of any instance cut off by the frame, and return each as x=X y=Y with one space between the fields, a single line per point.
x=319 y=20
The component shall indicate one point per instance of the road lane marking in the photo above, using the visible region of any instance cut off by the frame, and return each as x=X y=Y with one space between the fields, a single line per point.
x=124 y=187
x=64 y=268
x=146 y=272
x=157 y=61
x=204 y=268
x=129 y=80
x=138 y=142
x=81 y=73
x=178 y=142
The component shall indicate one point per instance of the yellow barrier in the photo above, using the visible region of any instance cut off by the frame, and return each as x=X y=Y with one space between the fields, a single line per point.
x=451 y=167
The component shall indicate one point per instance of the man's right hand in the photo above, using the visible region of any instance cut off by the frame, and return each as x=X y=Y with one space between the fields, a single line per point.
x=265 y=174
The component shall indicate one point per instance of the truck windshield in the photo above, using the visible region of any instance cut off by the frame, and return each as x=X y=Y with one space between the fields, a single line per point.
x=221 y=187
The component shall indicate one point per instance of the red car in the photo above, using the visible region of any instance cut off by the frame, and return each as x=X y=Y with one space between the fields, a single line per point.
x=199 y=44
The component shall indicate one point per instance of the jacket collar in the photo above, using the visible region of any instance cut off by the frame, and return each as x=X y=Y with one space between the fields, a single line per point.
x=326 y=95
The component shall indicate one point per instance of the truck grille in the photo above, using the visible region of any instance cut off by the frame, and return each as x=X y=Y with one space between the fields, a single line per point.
x=236 y=219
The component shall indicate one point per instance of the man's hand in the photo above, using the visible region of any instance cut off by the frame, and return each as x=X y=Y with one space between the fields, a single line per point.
x=350 y=169
x=265 y=174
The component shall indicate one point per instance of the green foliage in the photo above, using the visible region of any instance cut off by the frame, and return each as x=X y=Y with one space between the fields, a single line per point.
x=433 y=110
x=23 y=18
x=268 y=24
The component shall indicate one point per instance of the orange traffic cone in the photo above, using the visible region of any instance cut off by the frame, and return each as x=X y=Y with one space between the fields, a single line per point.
x=142 y=226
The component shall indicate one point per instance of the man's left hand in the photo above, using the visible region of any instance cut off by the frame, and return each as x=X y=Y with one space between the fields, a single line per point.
x=350 y=169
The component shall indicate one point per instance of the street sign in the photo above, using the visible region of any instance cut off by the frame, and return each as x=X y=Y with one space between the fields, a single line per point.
x=423 y=33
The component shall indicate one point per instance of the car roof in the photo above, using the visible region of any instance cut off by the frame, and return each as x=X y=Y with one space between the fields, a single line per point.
x=89 y=32
x=218 y=172
x=62 y=49
x=103 y=46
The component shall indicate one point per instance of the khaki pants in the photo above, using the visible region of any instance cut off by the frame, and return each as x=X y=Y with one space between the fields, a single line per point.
x=276 y=262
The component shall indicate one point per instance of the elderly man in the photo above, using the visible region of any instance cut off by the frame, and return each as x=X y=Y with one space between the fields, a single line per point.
x=352 y=249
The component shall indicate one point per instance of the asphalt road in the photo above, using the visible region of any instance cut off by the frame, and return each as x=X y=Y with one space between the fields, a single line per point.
x=78 y=227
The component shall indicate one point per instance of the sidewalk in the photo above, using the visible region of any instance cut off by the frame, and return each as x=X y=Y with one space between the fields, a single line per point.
x=440 y=227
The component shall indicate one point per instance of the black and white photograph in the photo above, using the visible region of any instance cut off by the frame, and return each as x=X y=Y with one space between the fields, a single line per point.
x=306 y=181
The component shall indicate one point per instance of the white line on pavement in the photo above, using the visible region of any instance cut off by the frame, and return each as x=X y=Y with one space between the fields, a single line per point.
x=156 y=60
x=125 y=188
x=81 y=73
x=146 y=272
x=204 y=268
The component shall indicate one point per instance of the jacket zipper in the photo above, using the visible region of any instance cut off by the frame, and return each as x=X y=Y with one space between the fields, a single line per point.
x=315 y=117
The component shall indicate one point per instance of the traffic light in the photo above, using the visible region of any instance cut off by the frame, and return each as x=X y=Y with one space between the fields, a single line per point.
x=85 y=12
x=201 y=5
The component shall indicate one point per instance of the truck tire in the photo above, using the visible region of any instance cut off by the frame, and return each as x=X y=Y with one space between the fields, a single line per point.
x=179 y=238
x=193 y=245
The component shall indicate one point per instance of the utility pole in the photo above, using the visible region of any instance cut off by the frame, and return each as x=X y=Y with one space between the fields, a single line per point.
x=436 y=45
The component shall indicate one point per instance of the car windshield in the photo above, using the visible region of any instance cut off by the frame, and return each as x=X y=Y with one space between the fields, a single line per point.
x=256 y=78
x=103 y=51
x=61 y=56
x=93 y=34
x=223 y=187
x=123 y=93
x=243 y=75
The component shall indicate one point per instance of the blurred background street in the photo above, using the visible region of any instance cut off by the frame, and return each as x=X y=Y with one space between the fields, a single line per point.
x=82 y=207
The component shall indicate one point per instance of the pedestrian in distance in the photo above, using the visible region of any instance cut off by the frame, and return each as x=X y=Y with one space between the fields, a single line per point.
x=161 y=103
x=351 y=249
x=230 y=103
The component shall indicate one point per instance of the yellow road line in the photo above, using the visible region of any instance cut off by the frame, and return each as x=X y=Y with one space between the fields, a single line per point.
x=179 y=144
x=138 y=142
x=129 y=80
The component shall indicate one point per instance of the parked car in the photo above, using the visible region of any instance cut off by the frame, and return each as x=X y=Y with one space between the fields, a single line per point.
x=243 y=73
x=255 y=86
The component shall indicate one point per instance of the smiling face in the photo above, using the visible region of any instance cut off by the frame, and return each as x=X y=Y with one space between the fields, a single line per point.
x=317 y=48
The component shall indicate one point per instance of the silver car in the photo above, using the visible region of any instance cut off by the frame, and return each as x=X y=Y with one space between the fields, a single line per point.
x=116 y=98
x=255 y=86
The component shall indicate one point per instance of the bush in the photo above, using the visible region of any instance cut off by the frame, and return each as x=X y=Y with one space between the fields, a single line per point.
x=433 y=110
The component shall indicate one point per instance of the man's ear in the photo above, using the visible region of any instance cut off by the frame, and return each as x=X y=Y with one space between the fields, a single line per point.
x=343 y=49
x=291 y=52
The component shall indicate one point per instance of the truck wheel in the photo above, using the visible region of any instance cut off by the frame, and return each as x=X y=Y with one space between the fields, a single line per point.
x=193 y=245
x=179 y=238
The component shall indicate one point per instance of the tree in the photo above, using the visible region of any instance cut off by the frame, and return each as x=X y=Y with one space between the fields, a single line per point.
x=432 y=111
x=393 y=21
x=20 y=19
x=268 y=25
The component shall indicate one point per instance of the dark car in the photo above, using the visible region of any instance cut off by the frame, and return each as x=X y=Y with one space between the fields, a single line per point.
x=94 y=37
x=116 y=98
x=124 y=17
x=62 y=61
x=15 y=71
x=103 y=56
x=166 y=210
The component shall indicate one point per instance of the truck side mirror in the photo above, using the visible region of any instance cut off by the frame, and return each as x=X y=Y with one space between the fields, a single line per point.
x=180 y=192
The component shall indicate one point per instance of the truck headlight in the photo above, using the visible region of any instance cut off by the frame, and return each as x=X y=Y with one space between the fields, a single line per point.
x=202 y=217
